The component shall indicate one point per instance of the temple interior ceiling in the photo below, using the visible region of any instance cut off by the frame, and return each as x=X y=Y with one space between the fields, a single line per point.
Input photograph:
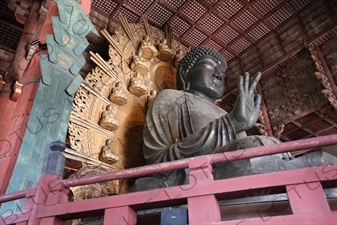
x=292 y=42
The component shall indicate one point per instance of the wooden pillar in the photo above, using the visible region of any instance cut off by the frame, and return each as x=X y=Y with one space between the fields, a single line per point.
x=120 y=215
x=49 y=191
x=14 y=120
x=15 y=115
x=202 y=209
x=19 y=63
x=307 y=198
x=42 y=115
x=44 y=195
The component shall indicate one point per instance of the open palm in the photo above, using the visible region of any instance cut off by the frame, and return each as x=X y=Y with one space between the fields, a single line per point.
x=246 y=109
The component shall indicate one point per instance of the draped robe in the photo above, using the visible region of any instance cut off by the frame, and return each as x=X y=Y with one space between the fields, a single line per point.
x=181 y=125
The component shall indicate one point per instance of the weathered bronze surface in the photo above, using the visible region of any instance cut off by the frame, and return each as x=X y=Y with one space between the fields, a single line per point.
x=186 y=123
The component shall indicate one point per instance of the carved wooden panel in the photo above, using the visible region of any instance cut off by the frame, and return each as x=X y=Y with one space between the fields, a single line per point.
x=112 y=101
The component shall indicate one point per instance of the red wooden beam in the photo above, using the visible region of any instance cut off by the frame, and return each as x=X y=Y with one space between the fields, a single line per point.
x=16 y=218
x=311 y=219
x=180 y=164
x=14 y=195
x=214 y=158
x=224 y=189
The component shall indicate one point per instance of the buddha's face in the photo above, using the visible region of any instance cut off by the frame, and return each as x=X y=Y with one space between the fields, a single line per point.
x=207 y=78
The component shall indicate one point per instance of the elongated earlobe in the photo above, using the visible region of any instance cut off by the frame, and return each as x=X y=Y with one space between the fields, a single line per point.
x=186 y=86
x=182 y=72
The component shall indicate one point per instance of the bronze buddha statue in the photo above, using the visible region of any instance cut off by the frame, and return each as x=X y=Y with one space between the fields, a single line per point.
x=186 y=122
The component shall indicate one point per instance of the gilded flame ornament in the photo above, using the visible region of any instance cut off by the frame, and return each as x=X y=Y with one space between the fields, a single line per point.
x=112 y=101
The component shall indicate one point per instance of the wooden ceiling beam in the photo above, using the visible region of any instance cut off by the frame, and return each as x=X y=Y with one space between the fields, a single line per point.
x=113 y=13
x=295 y=117
x=150 y=7
x=8 y=49
x=325 y=129
x=291 y=53
x=326 y=70
x=230 y=20
x=30 y=31
x=11 y=25
x=300 y=126
x=280 y=5
x=175 y=12
x=334 y=12
x=244 y=33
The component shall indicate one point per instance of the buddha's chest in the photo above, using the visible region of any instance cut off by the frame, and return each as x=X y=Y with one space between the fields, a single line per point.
x=202 y=116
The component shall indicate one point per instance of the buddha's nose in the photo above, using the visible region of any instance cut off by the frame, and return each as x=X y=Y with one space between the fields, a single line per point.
x=218 y=76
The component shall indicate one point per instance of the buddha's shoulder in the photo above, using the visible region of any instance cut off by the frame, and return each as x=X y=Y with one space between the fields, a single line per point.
x=170 y=94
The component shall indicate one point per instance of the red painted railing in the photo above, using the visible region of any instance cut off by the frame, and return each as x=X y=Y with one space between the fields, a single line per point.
x=48 y=202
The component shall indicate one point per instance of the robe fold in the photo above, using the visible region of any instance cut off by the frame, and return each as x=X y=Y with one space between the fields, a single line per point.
x=181 y=125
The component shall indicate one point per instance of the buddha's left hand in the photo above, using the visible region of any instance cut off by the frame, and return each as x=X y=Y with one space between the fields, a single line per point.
x=246 y=109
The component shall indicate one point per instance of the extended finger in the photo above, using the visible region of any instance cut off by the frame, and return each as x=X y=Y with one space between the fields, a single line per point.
x=246 y=82
x=257 y=102
x=254 y=83
x=240 y=85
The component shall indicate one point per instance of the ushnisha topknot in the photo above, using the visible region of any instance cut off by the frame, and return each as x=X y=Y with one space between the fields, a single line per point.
x=192 y=56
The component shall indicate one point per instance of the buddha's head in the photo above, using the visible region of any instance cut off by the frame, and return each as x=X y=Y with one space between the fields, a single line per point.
x=153 y=92
x=146 y=38
x=108 y=142
x=202 y=72
x=109 y=107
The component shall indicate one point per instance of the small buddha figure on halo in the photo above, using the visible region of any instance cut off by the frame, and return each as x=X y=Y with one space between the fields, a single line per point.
x=165 y=53
x=108 y=154
x=147 y=49
x=139 y=64
x=117 y=95
x=136 y=86
x=108 y=119
x=178 y=57
x=151 y=97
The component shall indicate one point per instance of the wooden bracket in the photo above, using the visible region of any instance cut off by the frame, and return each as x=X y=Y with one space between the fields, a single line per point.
x=17 y=91
x=2 y=82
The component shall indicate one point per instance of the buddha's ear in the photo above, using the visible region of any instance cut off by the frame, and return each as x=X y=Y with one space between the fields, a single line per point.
x=182 y=73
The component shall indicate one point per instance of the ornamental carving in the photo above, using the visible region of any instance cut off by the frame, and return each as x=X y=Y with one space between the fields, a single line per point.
x=109 y=109
x=117 y=96
x=108 y=119
x=137 y=87
x=108 y=154
x=322 y=77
